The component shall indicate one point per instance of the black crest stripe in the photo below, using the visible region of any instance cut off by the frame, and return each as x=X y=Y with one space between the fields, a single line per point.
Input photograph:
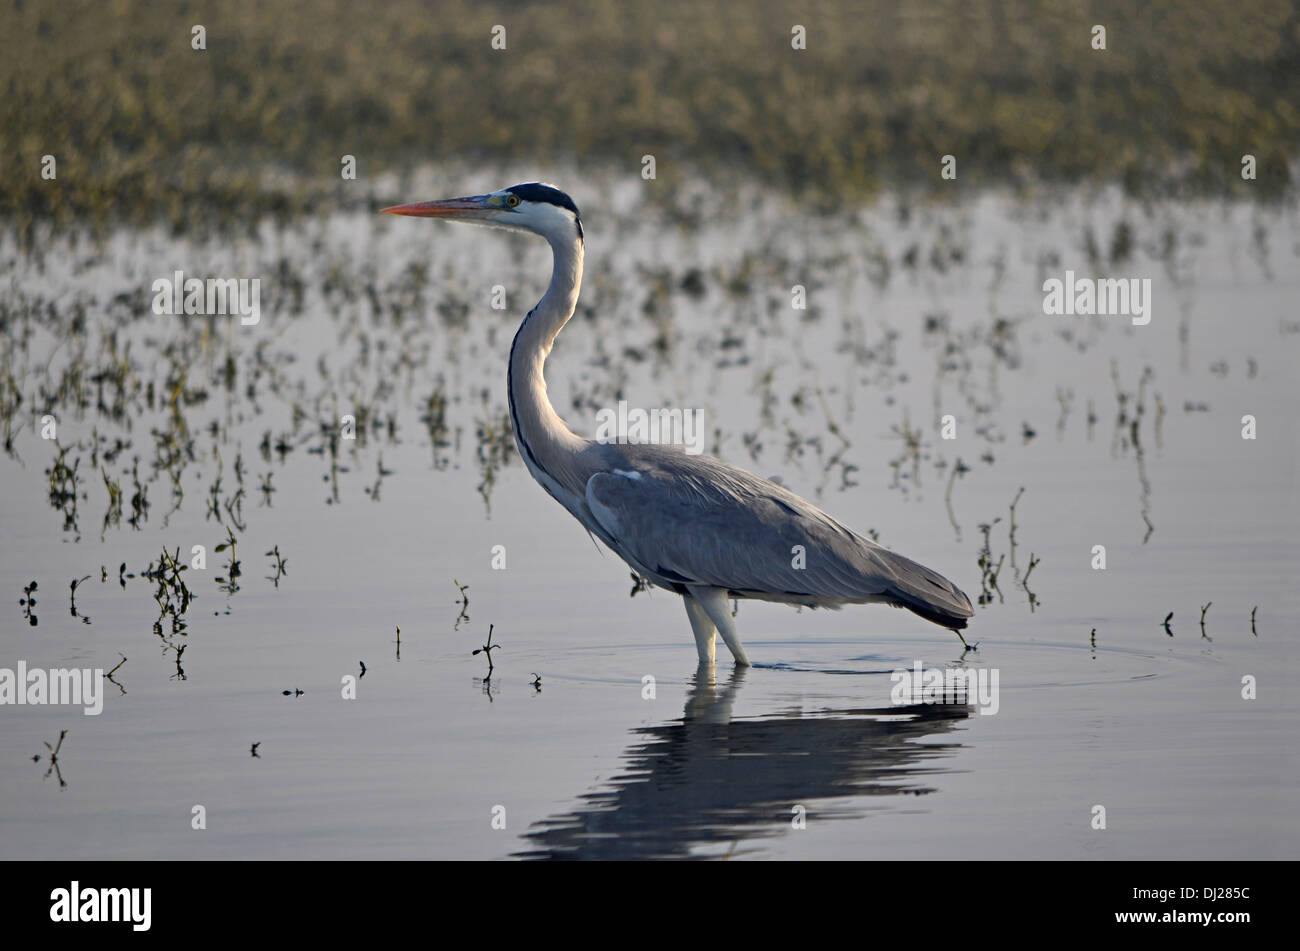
x=536 y=191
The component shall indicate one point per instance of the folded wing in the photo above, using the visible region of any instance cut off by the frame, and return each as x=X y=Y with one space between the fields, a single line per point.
x=694 y=520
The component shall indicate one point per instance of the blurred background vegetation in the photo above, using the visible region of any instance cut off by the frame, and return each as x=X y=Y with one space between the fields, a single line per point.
x=145 y=127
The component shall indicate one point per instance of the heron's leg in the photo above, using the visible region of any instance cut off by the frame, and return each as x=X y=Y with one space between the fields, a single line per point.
x=705 y=633
x=714 y=602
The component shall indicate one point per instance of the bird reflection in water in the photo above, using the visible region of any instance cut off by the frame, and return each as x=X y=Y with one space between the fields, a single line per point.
x=697 y=785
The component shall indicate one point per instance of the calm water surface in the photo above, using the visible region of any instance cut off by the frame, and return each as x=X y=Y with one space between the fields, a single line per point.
x=914 y=313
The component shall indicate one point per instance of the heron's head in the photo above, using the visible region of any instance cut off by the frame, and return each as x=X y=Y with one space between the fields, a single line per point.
x=541 y=209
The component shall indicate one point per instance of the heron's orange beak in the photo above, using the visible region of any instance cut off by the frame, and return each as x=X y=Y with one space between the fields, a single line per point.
x=473 y=207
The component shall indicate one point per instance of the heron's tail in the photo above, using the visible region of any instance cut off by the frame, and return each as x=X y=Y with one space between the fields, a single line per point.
x=925 y=593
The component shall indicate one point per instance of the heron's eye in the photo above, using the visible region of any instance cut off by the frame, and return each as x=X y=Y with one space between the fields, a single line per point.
x=512 y=200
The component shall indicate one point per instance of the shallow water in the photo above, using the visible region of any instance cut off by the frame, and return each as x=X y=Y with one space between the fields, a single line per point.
x=1153 y=727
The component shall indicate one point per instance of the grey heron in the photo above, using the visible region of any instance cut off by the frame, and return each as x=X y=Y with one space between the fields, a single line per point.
x=689 y=523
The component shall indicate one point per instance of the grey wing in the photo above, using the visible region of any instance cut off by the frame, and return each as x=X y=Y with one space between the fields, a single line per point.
x=701 y=522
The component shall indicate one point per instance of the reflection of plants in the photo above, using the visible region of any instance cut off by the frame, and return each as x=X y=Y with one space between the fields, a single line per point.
x=487 y=649
x=10 y=399
x=278 y=565
x=109 y=676
x=63 y=487
x=113 y=516
x=959 y=469
x=170 y=456
x=1011 y=526
x=180 y=671
x=463 y=602
x=27 y=602
x=1128 y=433
x=988 y=570
x=228 y=583
x=495 y=444
x=54 y=759
x=910 y=453
x=73 y=597
x=991 y=571
x=173 y=596
x=1024 y=582
x=266 y=489
x=381 y=472
x=434 y=418
x=139 y=498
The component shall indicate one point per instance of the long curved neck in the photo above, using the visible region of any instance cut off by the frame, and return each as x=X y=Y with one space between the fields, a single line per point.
x=544 y=440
